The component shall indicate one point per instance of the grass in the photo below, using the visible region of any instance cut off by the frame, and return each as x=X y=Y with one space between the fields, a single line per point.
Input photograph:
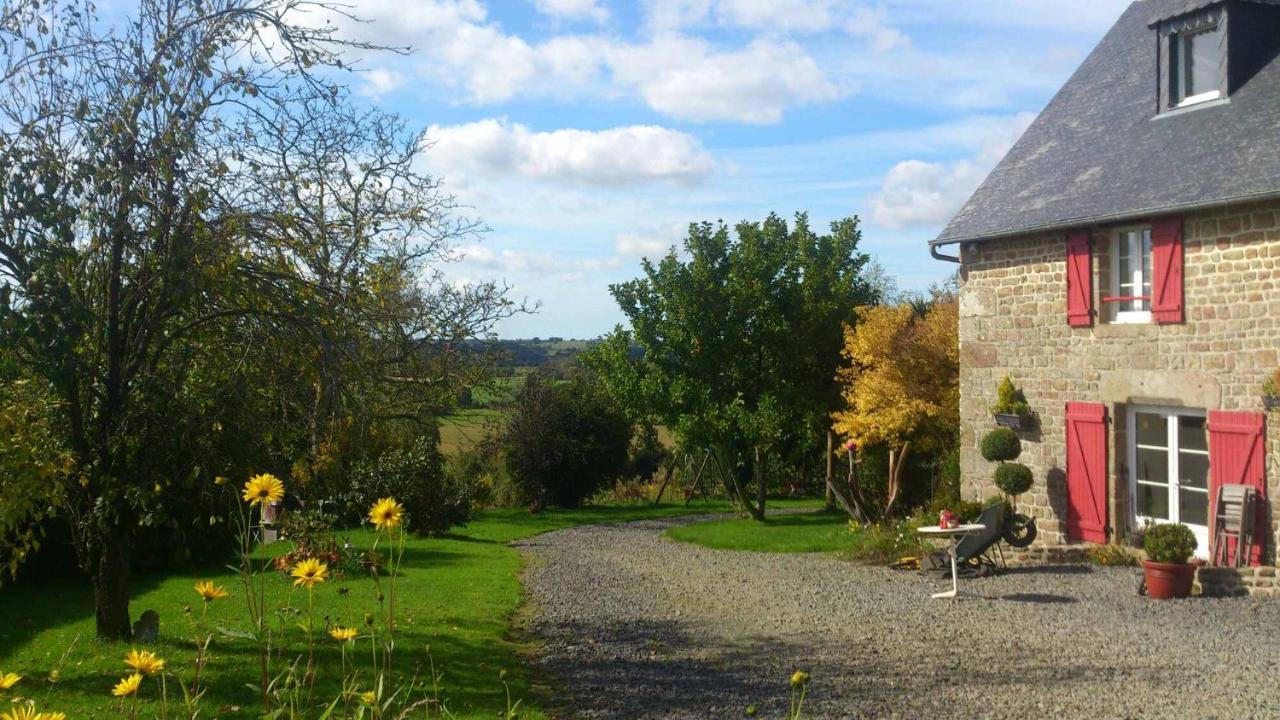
x=462 y=429
x=458 y=597
x=807 y=533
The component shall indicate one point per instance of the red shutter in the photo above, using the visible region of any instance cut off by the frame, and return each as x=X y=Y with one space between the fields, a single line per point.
x=1237 y=448
x=1087 y=472
x=1166 y=271
x=1079 y=280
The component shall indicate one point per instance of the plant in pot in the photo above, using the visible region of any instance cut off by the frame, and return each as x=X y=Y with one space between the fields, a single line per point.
x=1271 y=391
x=1011 y=408
x=1003 y=446
x=1166 y=571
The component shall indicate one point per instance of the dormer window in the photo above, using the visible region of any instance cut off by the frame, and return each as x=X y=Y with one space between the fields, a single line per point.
x=1196 y=65
x=1193 y=55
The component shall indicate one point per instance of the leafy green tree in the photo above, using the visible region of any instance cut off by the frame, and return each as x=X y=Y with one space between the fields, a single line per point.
x=564 y=442
x=202 y=283
x=740 y=339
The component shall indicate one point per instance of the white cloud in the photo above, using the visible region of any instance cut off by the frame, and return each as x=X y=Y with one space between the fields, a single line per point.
x=777 y=15
x=486 y=261
x=380 y=81
x=688 y=79
x=650 y=244
x=915 y=192
x=617 y=157
x=873 y=25
x=572 y=9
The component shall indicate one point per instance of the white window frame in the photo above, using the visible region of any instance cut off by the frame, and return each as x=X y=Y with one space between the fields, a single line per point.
x=1170 y=415
x=1180 y=57
x=1125 y=312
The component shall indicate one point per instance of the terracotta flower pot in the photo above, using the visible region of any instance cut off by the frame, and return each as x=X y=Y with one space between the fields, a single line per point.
x=1168 y=580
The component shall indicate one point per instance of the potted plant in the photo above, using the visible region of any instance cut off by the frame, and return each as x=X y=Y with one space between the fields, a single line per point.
x=1011 y=405
x=1166 y=570
x=1002 y=446
x=1271 y=391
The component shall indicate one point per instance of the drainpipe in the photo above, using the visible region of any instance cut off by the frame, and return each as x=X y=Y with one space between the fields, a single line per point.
x=933 y=250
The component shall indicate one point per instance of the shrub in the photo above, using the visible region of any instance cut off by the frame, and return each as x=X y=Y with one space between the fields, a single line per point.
x=886 y=542
x=1001 y=444
x=647 y=453
x=1009 y=399
x=1013 y=479
x=1111 y=556
x=1169 y=543
x=1271 y=386
x=414 y=474
x=564 y=442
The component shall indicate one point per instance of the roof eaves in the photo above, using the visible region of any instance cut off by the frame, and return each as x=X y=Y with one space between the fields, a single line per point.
x=1112 y=218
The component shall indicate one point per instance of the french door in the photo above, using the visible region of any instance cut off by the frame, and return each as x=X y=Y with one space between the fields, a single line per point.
x=1169 y=469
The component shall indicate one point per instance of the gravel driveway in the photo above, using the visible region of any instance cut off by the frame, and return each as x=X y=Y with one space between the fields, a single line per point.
x=633 y=625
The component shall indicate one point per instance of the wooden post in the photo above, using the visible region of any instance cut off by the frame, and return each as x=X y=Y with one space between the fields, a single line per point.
x=831 y=468
x=671 y=468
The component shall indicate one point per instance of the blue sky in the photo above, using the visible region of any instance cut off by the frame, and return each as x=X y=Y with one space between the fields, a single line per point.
x=589 y=133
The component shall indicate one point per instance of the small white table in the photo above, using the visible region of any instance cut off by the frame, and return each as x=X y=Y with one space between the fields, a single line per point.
x=954 y=534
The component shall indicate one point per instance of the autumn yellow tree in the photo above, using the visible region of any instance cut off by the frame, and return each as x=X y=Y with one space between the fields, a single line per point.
x=901 y=383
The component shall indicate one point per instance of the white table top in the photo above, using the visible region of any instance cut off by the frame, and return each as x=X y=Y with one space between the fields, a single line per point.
x=958 y=530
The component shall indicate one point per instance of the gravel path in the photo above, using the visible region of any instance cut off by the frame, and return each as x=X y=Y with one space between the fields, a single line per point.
x=633 y=625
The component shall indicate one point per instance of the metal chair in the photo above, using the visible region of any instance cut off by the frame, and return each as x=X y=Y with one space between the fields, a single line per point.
x=1234 y=514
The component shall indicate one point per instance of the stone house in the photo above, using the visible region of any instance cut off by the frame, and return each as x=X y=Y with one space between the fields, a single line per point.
x=1121 y=265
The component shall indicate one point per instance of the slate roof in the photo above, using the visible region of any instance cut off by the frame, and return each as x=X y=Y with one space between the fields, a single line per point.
x=1100 y=153
x=1167 y=10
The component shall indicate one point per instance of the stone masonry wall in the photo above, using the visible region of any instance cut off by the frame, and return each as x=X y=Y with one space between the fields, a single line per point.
x=1013 y=321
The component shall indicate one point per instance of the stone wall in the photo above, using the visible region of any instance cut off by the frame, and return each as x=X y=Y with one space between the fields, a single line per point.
x=1013 y=321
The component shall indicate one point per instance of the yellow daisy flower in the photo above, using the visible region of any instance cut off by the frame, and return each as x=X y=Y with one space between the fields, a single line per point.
x=210 y=592
x=51 y=716
x=21 y=712
x=127 y=686
x=368 y=698
x=342 y=634
x=386 y=513
x=309 y=572
x=263 y=489
x=8 y=680
x=144 y=661
x=799 y=679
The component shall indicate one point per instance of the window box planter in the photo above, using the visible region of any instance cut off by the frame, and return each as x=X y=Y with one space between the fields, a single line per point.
x=1009 y=420
x=1271 y=402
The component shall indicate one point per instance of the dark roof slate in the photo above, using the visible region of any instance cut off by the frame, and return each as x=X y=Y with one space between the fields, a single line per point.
x=1169 y=10
x=1099 y=152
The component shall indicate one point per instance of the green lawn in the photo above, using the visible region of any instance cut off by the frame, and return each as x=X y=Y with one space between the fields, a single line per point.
x=810 y=532
x=458 y=596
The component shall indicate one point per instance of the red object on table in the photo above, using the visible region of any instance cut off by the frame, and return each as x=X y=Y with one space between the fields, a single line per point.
x=948 y=520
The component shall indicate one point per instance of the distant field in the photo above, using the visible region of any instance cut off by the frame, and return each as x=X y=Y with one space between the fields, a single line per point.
x=462 y=429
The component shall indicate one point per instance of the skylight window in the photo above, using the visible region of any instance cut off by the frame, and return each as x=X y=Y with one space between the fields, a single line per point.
x=1195 y=64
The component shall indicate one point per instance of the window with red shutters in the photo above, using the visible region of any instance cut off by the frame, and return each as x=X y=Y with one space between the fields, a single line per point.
x=1237 y=456
x=1166 y=271
x=1079 y=280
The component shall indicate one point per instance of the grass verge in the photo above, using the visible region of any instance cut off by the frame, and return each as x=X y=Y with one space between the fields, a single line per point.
x=458 y=594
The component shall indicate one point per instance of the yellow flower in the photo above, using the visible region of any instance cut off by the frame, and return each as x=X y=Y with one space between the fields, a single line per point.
x=8 y=680
x=51 y=716
x=368 y=698
x=386 y=513
x=128 y=686
x=309 y=572
x=342 y=634
x=263 y=489
x=209 y=591
x=144 y=661
x=21 y=712
x=799 y=678
x=219 y=480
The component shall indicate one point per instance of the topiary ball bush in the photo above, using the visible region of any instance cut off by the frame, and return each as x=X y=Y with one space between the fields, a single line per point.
x=1013 y=478
x=1169 y=543
x=1001 y=444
